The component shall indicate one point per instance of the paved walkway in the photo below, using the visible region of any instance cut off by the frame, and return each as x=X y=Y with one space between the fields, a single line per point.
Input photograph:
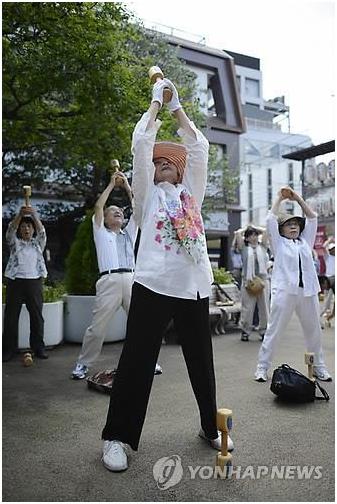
x=52 y=427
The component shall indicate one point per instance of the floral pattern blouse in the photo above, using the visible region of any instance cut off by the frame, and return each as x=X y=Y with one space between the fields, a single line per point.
x=16 y=245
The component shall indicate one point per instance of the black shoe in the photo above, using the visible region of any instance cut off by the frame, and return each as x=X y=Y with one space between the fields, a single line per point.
x=41 y=354
x=8 y=355
x=244 y=336
x=262 y=337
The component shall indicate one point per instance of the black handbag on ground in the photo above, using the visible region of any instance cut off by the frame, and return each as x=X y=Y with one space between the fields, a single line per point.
x=291 y=385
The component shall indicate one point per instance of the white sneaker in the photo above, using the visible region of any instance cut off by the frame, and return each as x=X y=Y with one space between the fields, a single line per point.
x=114 y=456
x=80 y=372
x=158 y=369
x=322 y=374
x=260 y=374
x=216 y=443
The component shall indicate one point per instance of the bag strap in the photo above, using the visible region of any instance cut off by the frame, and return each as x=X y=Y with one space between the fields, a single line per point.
x=223 y=291
x=286 y=366
x=325 y=397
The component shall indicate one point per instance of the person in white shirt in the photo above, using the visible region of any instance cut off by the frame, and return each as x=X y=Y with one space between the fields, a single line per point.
x=25 y=271
x=172 y=279
x=115 y=256
x=328 y=280
x=329 y=256
x=294 y=283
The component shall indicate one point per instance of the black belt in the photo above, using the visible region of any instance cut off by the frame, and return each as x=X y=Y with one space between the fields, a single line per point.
x=119 y=270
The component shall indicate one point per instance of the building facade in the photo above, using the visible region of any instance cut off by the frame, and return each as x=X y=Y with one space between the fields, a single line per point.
x=263 y=170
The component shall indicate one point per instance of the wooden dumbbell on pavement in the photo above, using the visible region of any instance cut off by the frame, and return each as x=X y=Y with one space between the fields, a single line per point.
x=27 y=359
x=309 y=360
x=224 y=424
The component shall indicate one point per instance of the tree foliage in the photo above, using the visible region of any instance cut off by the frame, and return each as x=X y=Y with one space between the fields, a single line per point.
x=223 y=183
x=74 y=84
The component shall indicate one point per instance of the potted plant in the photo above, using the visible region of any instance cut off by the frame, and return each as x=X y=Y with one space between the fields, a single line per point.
x=52 y=313
x=222 y=276
x=80 y=279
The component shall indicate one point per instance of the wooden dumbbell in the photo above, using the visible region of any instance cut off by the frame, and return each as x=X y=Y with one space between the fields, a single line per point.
x=27 y=359
x=287 y=192
x=156 y=74
x=27 y=191
x=309 y=358
x=115 y=167
x=224 y=424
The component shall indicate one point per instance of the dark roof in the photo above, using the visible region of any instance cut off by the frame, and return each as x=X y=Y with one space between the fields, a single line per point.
x=310 y=152
x=244 y=60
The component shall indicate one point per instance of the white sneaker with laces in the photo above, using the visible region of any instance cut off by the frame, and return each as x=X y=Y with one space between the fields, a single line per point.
x=114 y=456
x=322 y=374
x=80 y=372
x=216 y=443
x=260 y=374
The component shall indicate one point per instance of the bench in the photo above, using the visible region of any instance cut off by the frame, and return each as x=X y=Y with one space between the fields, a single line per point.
x=223 y=309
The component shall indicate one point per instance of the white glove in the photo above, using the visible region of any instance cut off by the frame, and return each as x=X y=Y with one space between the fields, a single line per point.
x=157 y=92
x=174 y=103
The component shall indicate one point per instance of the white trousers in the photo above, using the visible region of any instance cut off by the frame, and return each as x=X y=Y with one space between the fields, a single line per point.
x=248 y=303
x=283 y=306
x=112 y=292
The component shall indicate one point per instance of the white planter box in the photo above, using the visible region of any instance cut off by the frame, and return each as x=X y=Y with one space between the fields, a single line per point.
x=53 y=324
x=78 y=312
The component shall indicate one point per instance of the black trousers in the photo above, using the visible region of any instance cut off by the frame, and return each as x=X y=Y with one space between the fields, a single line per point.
x=19 y=291
x=148 y=317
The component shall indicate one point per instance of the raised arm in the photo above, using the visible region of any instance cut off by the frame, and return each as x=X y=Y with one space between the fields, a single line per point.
x=308 y=212
x=143 y=139
x=14 y=224
x=100 y=203
x=31 y=211
x=327 y=243
x=275 y=209
x=175 y=107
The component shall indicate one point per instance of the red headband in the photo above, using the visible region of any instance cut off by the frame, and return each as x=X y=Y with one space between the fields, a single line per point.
x=173 y=152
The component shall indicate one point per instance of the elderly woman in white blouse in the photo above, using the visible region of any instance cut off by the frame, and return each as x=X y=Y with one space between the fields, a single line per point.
x=172 y=279
x=294 y=283
x=25 y=271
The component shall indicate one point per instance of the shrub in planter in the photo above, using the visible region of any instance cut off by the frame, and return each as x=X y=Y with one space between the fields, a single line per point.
x=81 y=263
x=53 y=293
x=222 y=276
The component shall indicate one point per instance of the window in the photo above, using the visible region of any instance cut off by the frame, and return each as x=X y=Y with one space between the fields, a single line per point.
x=250 y=197
x=252 y=88
x=269 y=187
x=274 y=151
x=210 y=102
x=291 y=175
x=269 y=177
x=251 y=149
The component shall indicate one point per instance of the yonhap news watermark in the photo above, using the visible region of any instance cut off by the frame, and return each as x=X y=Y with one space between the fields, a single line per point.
x=169 y=471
